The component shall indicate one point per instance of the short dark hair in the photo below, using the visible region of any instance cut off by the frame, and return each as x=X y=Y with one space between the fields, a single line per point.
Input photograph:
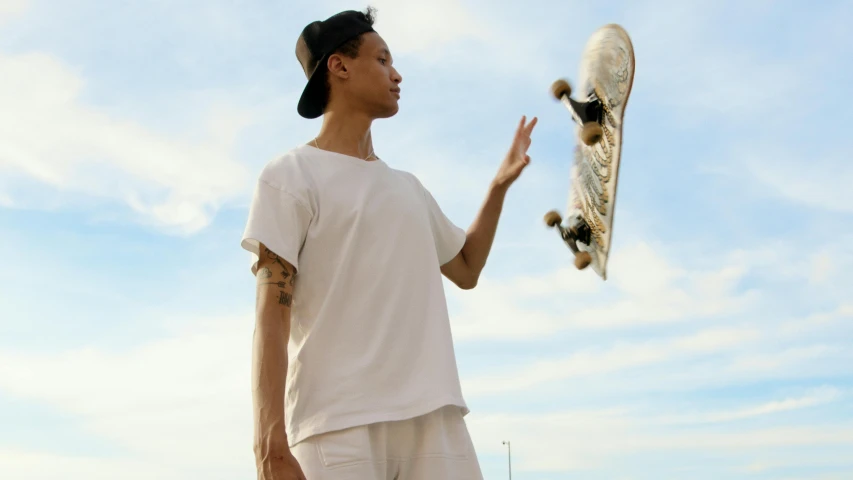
x=349 y=49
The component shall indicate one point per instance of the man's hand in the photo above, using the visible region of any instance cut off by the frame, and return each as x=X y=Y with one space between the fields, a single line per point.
x=280 y=466
x=464 y=270
x=516 y=158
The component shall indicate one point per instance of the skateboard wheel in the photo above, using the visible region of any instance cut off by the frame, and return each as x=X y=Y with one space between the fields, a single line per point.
x=560 y=88
x=591 y=133
x=582 y=260
x=552 y=218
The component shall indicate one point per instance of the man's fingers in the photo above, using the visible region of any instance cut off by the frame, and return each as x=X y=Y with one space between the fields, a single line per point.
x=522 y=135
x=525 y=129
x=532 y=124
x=520 y=129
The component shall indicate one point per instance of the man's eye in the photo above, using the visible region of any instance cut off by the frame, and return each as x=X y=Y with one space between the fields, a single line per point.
x=382 y=60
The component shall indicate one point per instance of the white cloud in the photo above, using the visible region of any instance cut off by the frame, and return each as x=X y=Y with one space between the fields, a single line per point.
x=643 y=287
x=822 y=181
x=764 y=362
x=760 y=360
x=820 y=397
x=691 y=51
x=816 y=397
x=156 y=400
x=656 y=292
x=26 y=465
x=48 y=134
x=785 y=259
x=817 y=321
x=590 y=439
x=818 y=464
x=590 y=362
x=152 y=401
x=745 y=344
x=457 y=36
x=159 y=401
x=9 y=8
x=823 y=268
x=413 y=27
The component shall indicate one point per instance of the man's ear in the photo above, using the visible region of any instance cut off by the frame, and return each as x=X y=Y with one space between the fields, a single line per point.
x=337 y=66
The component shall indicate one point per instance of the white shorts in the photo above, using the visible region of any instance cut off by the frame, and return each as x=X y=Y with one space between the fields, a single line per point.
x=430 y=447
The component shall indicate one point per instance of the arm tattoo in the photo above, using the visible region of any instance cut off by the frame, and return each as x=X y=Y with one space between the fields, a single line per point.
x=287 y=277
x=274 y=257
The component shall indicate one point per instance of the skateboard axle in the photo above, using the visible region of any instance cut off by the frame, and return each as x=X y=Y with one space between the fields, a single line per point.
x=578 y=232
x=589 y=114
x=588 y=111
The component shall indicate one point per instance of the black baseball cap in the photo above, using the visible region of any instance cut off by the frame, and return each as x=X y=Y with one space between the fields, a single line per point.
x=319 y=40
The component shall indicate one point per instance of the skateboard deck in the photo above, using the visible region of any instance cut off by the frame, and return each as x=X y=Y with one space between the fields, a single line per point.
x=605 y=78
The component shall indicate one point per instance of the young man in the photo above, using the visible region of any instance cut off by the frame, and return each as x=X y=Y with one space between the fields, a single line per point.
x=354 y=374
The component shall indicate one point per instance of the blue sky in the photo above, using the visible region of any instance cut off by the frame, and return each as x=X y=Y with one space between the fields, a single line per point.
x=719 y=347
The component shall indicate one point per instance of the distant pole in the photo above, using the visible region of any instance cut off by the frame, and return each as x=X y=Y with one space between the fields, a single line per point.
x=509 y=457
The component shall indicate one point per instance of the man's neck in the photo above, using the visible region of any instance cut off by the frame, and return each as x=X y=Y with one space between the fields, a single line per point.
x=347 y=135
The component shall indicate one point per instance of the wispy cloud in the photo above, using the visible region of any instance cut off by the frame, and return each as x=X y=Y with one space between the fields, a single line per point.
x=411 y=28
x=11 y=7
x=50 y=135
x=585 y=440
x=704 y=72
x=817 y=322
x=149 y=401
x=644 y=287
x=458 y=36
x=28 y=465
x=598 y=361
x=811 y=178
x=817 y=397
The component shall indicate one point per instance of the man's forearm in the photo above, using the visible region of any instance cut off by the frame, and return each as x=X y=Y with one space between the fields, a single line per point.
x=269 y=369
x=481 y=234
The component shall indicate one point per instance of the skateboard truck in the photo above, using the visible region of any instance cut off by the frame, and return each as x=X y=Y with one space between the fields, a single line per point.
x=578 y=231
x=589 y=114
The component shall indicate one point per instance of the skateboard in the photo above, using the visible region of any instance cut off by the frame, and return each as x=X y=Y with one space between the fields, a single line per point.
x=605 y=78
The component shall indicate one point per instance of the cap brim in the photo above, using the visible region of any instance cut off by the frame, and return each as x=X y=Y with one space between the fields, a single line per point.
x=312 y=101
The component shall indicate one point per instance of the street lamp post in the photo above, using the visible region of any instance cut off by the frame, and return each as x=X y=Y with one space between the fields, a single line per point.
x=509 y=457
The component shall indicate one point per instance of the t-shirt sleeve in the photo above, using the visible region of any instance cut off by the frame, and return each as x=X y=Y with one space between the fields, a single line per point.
x=279 y=220
x=448 y=237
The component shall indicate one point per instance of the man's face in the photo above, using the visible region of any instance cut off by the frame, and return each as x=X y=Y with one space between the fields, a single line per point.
x=373 y=85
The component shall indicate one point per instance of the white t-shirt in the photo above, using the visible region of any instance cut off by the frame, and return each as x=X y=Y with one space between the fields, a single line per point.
x=370 y=334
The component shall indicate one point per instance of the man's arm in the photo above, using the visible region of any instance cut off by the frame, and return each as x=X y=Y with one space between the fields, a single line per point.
x=275 y=280
x=465 y=268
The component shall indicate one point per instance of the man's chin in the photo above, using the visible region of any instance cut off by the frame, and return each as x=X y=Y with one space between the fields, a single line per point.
x=389 y=112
